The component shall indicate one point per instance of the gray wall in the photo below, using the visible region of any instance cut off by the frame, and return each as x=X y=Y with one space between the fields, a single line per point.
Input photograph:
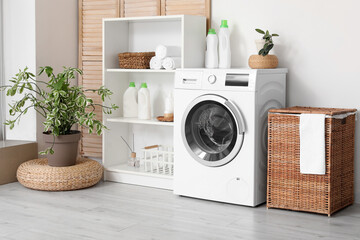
x=2 y=113
x=318 y=43
x=56 y=40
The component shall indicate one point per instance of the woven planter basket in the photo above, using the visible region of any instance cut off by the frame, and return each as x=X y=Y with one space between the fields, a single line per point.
x=287 y=188
x=263 y=62
x=139 y=60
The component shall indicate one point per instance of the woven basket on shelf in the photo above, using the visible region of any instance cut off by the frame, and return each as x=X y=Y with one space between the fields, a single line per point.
x=287 y=188
x=139 y=60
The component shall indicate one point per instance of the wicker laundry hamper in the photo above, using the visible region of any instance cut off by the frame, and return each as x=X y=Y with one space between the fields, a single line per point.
x=287 y=188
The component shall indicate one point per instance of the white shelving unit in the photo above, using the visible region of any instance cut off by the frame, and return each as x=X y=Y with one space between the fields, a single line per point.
x=143 y=34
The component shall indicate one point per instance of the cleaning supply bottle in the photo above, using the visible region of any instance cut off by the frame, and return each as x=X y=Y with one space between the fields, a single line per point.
x=130 y=104
x=144 y=107
x=169 y=107
x=211 y=54
x=224 y=46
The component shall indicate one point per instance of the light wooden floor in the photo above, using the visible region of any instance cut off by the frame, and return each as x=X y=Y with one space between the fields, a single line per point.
x=119 y=211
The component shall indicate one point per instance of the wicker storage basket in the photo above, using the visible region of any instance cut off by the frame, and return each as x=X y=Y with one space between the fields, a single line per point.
x=287 y=188
x=139 y=60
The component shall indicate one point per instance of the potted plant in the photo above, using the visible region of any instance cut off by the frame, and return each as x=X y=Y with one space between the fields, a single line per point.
x=62 y=105
x=264 y=46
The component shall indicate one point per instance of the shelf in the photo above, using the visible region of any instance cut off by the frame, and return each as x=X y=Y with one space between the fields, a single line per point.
x=147 y=19
x=139 y=70
x=153 y=121
x=130 y=175
x=124 y=168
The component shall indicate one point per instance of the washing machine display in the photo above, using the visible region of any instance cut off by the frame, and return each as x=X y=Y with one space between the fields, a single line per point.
x=213 y=130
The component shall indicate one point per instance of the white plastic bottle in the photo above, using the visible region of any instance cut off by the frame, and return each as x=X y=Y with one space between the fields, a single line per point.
x=169 y=106
x=144 y=107
x=211 y=55
x=130 y=102
x=224 y=46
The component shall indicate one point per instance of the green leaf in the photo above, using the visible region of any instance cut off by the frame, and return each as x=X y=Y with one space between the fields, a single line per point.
x=22 y=88
x=29 y=86
x=63 y=106
x=48 y=71
x=42 y=69
x=42 y=153
x=259 y=31
x=275 y=35
x=268 y=48
x=59 y=84
x=11 y=91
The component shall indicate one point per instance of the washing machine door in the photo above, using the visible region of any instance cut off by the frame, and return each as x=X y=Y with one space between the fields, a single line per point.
x=212 y=130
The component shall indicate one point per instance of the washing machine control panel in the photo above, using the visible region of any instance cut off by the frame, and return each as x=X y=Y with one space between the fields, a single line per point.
x=240 y=79
x=212 y=79
x=227 y=79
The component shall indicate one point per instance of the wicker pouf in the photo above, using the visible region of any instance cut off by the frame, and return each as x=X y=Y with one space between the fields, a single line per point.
x=37 y=174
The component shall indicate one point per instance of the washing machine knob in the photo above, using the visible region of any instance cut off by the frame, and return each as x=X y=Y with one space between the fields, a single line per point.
x=212 y=79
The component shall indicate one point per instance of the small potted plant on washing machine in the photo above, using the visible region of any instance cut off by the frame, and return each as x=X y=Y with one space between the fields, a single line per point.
x=62 y=105
x=264 y=45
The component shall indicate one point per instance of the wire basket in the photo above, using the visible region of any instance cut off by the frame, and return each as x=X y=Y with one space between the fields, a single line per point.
x=158 y=159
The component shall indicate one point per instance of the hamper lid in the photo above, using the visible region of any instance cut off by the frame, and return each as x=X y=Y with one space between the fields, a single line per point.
x=299 y=109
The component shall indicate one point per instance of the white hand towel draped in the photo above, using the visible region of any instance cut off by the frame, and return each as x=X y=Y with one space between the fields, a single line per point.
x=312 y=144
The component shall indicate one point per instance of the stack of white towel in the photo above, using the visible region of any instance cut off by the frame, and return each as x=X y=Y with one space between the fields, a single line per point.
x=168 y=57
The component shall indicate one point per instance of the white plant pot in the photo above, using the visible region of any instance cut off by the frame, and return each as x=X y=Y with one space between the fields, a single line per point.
x=259 y=44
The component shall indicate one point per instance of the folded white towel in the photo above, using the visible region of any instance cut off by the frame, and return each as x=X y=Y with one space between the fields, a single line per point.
x=171 y=63
x=167 y=51
x=156 y=63
x=312 y=144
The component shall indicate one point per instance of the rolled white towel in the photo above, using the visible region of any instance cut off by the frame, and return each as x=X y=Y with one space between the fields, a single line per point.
x=170 y=63
x=167 y=51
x=156 y=63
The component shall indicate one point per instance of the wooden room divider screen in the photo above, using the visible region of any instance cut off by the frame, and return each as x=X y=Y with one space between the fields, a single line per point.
x=91 y=13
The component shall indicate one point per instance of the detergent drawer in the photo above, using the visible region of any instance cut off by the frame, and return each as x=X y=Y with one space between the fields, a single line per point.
x=188 y=79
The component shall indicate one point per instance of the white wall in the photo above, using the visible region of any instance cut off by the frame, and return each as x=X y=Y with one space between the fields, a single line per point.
x=56 y=40
x=19 y=52
x=38 y=33
x=318 y=43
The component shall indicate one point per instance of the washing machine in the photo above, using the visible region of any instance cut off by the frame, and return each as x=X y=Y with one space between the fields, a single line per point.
x=220 y=132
